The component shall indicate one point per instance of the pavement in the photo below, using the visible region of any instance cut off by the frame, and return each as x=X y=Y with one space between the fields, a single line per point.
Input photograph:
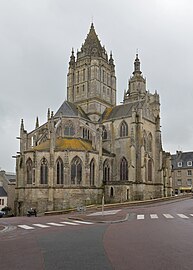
x=106 y=216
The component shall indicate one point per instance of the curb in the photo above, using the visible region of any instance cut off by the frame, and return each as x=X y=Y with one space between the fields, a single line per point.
x=102 y=221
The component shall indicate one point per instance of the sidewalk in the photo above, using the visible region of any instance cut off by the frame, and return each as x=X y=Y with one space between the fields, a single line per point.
x=107 y=216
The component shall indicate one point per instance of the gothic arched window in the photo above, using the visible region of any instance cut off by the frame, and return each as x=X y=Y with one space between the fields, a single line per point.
x=123 y=169
x=104 y=133
x=150 y=143
x=44 y=171
x=76 y=171
x=145 y=141
x=106 y=171
x=150 y=167
x=29 y=171
x=123 y=129
x=69 y=129
x=60 y=171
x=112 y=192
x=59 y=131
x=92 y=172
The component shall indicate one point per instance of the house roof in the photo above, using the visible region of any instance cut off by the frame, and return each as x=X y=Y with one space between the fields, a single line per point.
x=3 y=193
x=182 y=157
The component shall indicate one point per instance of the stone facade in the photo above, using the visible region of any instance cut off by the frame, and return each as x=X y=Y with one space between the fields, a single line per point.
x=92 y=147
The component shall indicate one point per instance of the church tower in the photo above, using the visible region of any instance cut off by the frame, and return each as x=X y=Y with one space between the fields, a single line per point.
x=137 y=84
x=91 y=81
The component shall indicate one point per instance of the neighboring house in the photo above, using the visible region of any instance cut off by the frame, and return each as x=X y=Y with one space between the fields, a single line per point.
x=3 y=197
x=182 y=172
x=92 y=147
x=8 y=181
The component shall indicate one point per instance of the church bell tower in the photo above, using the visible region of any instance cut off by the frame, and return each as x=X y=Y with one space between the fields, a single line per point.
x=91 y=81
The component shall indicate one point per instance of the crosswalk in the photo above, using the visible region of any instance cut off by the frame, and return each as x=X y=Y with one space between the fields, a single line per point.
x=54 y=224
x=152 y=216
x=166 y=216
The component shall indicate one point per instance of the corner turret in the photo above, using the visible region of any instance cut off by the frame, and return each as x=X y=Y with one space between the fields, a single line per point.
x=137 y=84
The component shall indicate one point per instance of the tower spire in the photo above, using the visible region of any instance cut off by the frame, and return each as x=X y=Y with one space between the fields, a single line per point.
x=37 y=122
x=22 y=125
x=72 y=59
x=137 y=65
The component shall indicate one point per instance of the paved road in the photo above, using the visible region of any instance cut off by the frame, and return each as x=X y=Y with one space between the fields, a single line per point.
x=161 y=238
x=154 y=237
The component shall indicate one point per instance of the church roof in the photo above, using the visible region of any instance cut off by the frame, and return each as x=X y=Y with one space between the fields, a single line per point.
x=69 y=109
x=123 y=110
x=91 y=41
x=66 y=144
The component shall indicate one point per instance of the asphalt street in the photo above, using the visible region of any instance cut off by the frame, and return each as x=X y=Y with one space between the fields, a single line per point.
x=158 y=236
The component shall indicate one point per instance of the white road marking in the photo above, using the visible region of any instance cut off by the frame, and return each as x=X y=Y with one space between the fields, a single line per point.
x=26 y=227
x=140 y=217
x=182 y=216
x=69 y=223
x=191 y=215
x=41 y=225
x=83 y=222
x=55 y=224
x=110 y=212
x=153 y=216
x=168 y=216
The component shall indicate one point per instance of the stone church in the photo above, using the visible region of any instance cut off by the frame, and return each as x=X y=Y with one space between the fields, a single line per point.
x=92 y=147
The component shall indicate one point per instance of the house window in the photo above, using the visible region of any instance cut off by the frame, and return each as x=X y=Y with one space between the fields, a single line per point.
x=178 y=173
x=76 y=171
x=123 y=169
x=44 y=172
x=189 y=163
x=29 y=171
x=1 y=201
x=123 y=129
x=179 y=182
x=189 y=182
x=92 y=172
x=60 y=171
x=180 y=164
x=189 y=172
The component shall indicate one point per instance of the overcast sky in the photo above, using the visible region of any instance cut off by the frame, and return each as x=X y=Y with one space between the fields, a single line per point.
x=36 y=38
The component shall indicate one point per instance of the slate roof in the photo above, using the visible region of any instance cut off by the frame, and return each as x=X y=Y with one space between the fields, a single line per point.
x=183 y=157
x=3 y=193
x=11 y=177
x=70 y=110
x=123 y=110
